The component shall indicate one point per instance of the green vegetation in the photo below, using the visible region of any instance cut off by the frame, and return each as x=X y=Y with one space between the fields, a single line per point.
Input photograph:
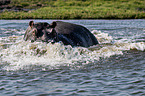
x=77 y=9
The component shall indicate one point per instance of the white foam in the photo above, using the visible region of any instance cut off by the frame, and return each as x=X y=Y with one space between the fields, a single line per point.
x=102 y=37
x=10 y=31
x=128 y=46
x=21 y=55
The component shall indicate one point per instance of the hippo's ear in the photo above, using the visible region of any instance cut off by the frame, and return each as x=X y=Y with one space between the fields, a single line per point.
x=53 y=25
x=30 y=23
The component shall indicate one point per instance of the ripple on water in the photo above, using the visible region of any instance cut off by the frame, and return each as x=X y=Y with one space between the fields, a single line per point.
x=114 y=68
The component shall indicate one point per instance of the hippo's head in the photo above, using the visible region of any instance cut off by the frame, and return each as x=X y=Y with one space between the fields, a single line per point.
x=41 y=31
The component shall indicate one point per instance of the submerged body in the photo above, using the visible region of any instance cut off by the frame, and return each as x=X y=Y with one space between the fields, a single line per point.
x=68 y=33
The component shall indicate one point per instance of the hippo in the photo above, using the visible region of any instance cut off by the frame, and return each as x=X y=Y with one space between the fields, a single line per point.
x=68 y=33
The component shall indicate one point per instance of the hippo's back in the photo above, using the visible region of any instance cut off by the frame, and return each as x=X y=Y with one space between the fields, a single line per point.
x=67 y=28
x=80 y=35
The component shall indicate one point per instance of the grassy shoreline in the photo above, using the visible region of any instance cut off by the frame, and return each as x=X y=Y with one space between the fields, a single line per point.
x=79 y=9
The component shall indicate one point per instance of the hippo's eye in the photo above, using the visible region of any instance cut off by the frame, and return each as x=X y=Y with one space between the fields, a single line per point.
x=47 y=26
x=34 y=30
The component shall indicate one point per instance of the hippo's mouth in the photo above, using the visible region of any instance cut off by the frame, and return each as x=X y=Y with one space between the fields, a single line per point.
x=48 y=41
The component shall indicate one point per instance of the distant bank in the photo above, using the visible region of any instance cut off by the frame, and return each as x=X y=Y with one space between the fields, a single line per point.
x=72 y=9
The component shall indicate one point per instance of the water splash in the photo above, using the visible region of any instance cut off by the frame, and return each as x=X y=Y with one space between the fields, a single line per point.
x=102 y=37
x=22 y=55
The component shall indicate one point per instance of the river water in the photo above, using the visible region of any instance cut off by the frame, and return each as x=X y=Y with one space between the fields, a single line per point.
x=115 y=67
